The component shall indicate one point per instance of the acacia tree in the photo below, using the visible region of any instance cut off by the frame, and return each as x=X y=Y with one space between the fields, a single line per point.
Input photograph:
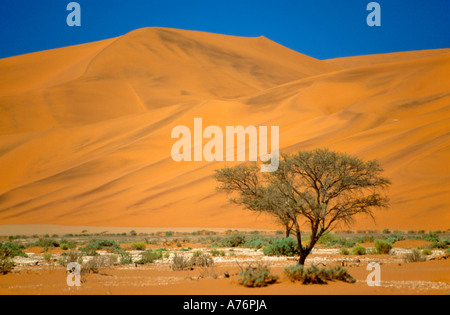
x=319 y=189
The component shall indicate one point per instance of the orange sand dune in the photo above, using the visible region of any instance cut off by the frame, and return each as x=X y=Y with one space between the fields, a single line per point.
x=88 y=142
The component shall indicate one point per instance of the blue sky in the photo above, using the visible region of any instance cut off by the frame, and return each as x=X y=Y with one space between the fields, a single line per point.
x=319 y=28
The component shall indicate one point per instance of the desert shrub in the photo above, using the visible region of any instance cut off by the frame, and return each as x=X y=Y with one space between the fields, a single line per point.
x=139 y=246
x=327 y=238
x=94 y=245
x=234 y=240
x=415 y=256
x=70 y=257
x=67 y=245
x=345 y=251
x=181 y=263
x=48 y=257
x=6 y=259
x=125 y=257
x=216 y=252
x=359 y=250
x=46 y=243
x=185 y=263
x=96 y=263
x=259 y=276
x=386 y=231
x=315 y=275
x=441 y=244
x=15 y=249
x=383 y=247
x=341 y=242
x=283 y=247
x=431 y=237
x=395 y=238
x=426 y=252
x=258 y=242
x=149 y=257
x=202 y=260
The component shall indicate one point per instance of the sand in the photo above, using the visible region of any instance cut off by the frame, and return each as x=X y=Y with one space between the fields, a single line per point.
x=425 y=278
x=85 y=130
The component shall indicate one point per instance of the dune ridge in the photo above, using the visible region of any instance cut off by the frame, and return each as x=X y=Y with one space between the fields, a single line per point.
x=87 y=142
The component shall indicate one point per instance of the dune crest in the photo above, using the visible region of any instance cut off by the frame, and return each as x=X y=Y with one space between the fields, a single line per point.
x=85 y=131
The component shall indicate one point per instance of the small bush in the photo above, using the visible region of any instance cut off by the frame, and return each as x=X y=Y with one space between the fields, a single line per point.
x=414 y=257
x=395 y=238
x=359 y=250
x=15 y=249
x=71 y=257
x=258 y=242
x=234 y=240
x=6 y=259
x=202 y=260
x=181 y=263
x=125 y=257
x=426 y=252
x=149 y=257
x=383 y=247
x=259 y=276
x=341 y=242
x=186 y=263
x=216 y=252
x=345 y=251
x=46 y=243
x=314 y=275
x=96 y=263
x=94 y=245
x=139 y=246
x=283 y=247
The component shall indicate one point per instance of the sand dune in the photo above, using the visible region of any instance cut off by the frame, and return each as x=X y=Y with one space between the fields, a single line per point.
x=85 y=130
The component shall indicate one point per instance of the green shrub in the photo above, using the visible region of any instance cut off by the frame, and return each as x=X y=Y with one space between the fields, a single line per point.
x=48 y=257
x=426 y=252
x=258 y=242
x=149 y=257
x=125 y=257
x=94 y=245
x=259 y=276
x=139 y=246
x=234 y=240
x=15 y=249
x=6 y=260
x=395 y=238
x=314 y=275
x=283 y=247
x=341 y=242
x=359 y=250
x=441 y=244
x=46 y=243
x=345 y=251
x=383 y=247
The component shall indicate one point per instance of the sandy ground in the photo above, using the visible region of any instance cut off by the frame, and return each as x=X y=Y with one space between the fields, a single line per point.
x=427 y=278
x=85 y=131
x=34 y=275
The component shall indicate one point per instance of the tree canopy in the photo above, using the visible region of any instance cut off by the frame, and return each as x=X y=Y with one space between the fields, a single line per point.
x=319 y=188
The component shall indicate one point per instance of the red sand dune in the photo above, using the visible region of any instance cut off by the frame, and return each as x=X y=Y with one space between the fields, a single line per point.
x=85 y=131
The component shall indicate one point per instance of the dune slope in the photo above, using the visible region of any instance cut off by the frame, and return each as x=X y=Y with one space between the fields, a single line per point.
x=88 y=141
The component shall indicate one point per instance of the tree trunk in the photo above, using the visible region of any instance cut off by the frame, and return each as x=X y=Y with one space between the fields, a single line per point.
x=303 y=255
x=288 y=231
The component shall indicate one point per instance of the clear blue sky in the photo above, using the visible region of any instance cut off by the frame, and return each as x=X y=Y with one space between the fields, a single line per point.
x=319 y=28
